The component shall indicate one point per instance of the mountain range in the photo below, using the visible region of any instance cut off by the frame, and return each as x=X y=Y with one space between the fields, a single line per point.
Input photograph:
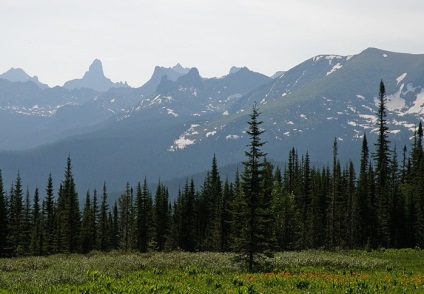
x=172 y=125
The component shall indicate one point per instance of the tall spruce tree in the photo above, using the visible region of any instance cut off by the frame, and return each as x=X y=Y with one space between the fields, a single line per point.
x=115 y=233
x=305 y=205
x=95 y=213
x=87 y=240
x=69 y=215
x=226 y=215
x=351 y=208
x=144 y=217
x=253 y=241
x=382 y=171
x=24 y=246
x=360 y=208
x=103 y=226
x=161 y=216
x=126 y=217
x=15 y=215
x=37 y=233
x=49 y=214
x=210 y=211
x=187 y=218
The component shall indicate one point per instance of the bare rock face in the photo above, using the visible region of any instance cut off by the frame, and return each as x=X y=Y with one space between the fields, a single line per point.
x=94 y=79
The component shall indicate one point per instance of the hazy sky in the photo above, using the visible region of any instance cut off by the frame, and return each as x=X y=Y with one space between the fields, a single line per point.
x=58 y=39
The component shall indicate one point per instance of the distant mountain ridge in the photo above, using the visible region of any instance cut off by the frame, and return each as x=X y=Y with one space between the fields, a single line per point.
x=174 y=130
x=191 y=95
x=19 y=75
x=94 y=79
x=172 y=74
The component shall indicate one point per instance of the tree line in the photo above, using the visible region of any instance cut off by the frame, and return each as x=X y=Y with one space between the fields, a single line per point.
x=264 y=209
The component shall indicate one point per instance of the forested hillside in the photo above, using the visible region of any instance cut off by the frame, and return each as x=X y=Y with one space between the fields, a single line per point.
x=265 y=209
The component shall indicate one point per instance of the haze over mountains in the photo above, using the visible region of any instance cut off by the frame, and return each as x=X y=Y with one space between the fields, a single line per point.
x=172 y=125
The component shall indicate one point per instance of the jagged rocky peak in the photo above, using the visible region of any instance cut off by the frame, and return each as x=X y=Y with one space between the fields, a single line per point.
x=94 y=79
x=180 y=69
x=194 y=72
x=192 y=78
x=95 y=69
x=172 y=72
x=234 y=69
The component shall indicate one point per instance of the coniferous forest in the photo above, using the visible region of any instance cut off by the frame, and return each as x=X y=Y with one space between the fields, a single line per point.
x=265 y=209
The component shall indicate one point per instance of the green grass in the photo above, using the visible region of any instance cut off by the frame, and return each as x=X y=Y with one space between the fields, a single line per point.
x=388 y=271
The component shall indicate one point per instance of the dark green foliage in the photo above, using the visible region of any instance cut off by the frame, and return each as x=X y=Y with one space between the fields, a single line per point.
x=255 y=214
x=382 y=171
x=226 y=215
x=104 y=235
x=50 y=222
x=162 y=217
x=16 y=217
x=125 y=205
x=185 y=220
x=24 y=245
x=210 y=203
x=114 y=227
x=87 y=229
x=37 y=232
x=144 y=211
x=69 y=216
x=285 y=214
x=95 y=214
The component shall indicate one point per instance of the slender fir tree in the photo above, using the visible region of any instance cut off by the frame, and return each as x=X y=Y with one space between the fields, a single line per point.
x=253 y=241
x=162 y=216
x=144 y=217
x=69 y=215
x=87 y=240
x=16 y=216
x=382 y=171
x=103 y=227
x=49 y=214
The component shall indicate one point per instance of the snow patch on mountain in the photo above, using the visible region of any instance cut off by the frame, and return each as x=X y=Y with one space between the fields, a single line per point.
x=372 y=119
x=418 y=104
x=400 y=78
x=232 y=137
x=395 y=101
x=172 y=112
x=208 y=134
x=316 y=58
x=182 y=142
x=336 y=67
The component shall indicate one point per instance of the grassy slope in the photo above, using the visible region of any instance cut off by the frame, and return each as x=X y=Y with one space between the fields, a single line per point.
x=178 y=272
